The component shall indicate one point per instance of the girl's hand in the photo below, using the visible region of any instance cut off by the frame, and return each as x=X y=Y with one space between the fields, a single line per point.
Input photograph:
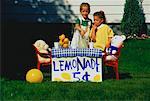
x=82 y=32
x=93 y=34
x=94 y=27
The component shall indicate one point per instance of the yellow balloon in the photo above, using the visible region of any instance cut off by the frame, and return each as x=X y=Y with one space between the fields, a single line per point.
x=62 y=37
x=34 y=76
x=66 y=40
x=61 y=42
x=65 y=45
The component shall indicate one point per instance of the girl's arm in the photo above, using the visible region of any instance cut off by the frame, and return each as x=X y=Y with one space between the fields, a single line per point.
x=78 y=27
x=110 y=35
x=108 y=42
x=93 y=33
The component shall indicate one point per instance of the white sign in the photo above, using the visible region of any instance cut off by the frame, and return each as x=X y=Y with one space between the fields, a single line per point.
x=77 y=69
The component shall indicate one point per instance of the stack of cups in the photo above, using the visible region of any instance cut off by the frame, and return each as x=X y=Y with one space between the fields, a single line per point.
x=56 y=45
x=91 y=45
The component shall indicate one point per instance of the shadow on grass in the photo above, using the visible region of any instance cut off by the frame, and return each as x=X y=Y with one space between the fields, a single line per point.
x=110 y=74
x=46 y=70
x=125 y=76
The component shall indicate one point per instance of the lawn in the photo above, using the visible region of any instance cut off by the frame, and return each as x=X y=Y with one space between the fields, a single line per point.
x=134 y=69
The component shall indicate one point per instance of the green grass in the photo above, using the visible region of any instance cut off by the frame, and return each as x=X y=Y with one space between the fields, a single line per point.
x=135 y=57
x=134 y=68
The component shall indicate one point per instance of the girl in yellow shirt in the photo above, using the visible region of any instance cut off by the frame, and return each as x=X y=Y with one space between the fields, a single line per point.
x=101 y=33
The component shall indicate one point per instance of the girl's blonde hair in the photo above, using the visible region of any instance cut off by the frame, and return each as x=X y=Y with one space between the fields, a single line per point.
x=100 y=14
x=86 y=5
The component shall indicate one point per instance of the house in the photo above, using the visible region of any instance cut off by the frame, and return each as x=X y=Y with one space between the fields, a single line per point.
x=65 y=11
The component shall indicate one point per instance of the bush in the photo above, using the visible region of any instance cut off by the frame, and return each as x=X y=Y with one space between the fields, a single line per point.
x=133 y=21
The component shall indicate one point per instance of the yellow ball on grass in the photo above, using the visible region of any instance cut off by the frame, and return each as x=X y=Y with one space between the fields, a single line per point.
x=34 y=76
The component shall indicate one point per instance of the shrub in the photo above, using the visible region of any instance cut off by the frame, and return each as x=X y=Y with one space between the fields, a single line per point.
x=133 y=21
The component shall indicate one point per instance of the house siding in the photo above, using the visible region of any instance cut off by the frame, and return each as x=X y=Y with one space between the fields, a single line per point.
x=65 y=11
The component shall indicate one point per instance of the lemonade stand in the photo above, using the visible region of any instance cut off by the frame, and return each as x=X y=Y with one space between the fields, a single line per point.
x=81 y=64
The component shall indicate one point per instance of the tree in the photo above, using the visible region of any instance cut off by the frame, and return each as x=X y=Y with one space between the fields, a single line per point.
x=133 y=21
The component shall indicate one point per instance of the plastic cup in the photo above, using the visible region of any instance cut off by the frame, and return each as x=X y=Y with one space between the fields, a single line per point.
x=56 y=45
x=69 y=44
x=91 y=45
